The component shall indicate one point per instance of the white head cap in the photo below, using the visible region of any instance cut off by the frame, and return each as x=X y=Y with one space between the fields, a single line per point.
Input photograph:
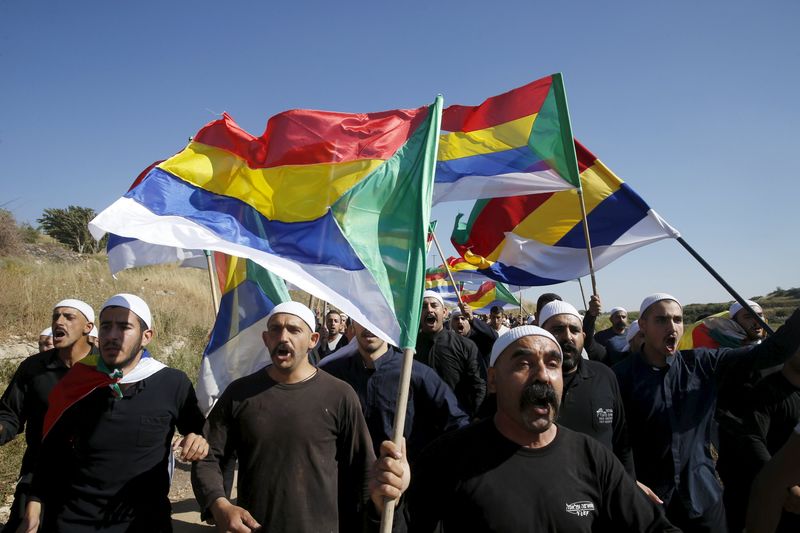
x=297 y=309
x=557 y=307
x=132 y=302
x=46 y=332
x=615 y=310
x=530 y=320
x=454 y=313
x=653 y=298
x=515 y=334
x=736 y=307
x=80 y=305
x=633 y=329
x=433 y=294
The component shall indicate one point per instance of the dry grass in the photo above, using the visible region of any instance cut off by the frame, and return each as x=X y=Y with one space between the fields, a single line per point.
x=178 y=297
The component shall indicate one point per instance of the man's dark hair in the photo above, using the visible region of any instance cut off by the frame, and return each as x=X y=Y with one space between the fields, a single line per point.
x=333 y=312
x=545 y=299
x=495 y=310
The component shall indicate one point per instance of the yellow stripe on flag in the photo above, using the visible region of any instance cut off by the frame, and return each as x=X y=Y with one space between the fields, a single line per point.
x=500 y=138
x=289 y=193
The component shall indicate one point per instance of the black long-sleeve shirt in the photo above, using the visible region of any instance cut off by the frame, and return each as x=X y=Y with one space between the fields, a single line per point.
x=670 y=414
x=103 y=466
x=475 y=479
x=24 y=404
x=591 y=404
x=457 y=361
x=432 y=407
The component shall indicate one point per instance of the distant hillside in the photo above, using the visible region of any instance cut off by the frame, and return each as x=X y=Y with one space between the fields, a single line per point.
x=777 y=305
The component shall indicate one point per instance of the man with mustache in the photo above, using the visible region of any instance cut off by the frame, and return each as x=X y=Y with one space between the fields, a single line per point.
x=669 y=397
x=374 y=373
x=24 y=403
x=108 y=432
x=453 y=357
x=517 y=471
x=300 y=437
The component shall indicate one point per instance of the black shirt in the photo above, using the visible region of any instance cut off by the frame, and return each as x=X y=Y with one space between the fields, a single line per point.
x=456 y=360
x=24 y=403
x=104 y=463
x=591 y=404
x=432 y=407
x=475 y=479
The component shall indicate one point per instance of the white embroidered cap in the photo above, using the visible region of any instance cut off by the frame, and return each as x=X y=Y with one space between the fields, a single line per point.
x=85 y=309
x=515 y=334
x=297 y=309
x=132 y=302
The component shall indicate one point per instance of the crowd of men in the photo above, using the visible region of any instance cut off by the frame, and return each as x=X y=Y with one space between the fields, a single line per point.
x=520 y=424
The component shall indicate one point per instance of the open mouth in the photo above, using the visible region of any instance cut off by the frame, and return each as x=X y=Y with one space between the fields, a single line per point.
x=430 y=319
x=59 y=334
x=671 y=343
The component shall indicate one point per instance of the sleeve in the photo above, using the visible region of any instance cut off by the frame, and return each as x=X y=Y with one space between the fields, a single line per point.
x=756 y=424
x=12 y=403
x=472 y=374
x=621 y=440
x=448 y=415
x=775 y=349
x=190 y=418
x=53 y=456
x=355 y=456
x=624 y=503
x=219 y=431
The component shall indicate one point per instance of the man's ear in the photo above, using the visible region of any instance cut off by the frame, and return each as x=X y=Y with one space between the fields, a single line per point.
x=314 y=339
x=490 y=382
x=147 y=336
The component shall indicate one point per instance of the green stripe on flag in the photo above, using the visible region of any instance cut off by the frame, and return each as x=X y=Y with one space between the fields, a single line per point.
x=385 y=218
x=551 y=135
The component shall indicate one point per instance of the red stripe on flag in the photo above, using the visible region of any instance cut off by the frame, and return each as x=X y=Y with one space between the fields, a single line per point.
x=497 y=216
x=514 y=104
x=303 y=137
x=482 y=291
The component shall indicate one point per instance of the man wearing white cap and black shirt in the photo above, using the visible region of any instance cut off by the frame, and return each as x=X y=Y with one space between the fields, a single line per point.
x=46 y=340
x=456 y=359
x=24 y=403
x=463 y=322
x=517 y=471
x=613 y=338
x=590 y=402
x=300 y=437
x=108 y=430
x=669 y=398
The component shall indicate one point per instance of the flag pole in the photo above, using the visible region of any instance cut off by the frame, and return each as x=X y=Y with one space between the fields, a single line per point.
x=724 y=283
x=571 y=160
x=211 y=271
x=585 y=224
x=398 y=428
x=447 y=267
x=583 y=295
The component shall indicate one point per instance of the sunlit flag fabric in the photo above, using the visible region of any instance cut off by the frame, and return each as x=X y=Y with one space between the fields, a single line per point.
x=488 y=295
x=461 y=270
x=235 y=348
x=515 y=143
x=539 y=240
x=125 y=253
x=337 y=204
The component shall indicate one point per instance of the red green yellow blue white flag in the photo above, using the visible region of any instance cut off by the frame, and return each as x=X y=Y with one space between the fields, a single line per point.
x=519 y=142
x=337 y=204
x=538 y=239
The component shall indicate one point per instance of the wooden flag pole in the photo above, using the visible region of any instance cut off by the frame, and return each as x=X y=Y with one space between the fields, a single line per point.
x=211 y=271
x=447 y=267
x=399 y=427
x=583 y=295
x=724 y=283
x=588 y=242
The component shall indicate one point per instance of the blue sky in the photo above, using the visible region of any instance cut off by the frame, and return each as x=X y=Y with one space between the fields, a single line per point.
x=692 y=103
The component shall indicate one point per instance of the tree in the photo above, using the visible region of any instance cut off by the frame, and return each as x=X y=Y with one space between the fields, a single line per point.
x=70 y=227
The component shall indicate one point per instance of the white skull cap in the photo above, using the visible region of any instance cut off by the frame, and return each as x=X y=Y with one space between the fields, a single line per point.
x=297 y=309
x=736 y=307
x=132 y=302
x=557 y=307
x=656 y=297
x=615 y=310
x=515 y=334
x=85 y=309
x=433 y=294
